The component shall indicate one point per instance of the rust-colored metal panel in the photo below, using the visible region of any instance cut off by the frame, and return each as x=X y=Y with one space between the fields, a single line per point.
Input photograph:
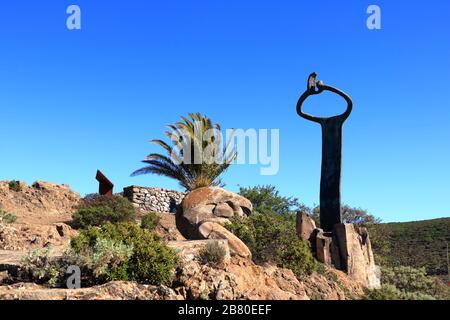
x=105 y=186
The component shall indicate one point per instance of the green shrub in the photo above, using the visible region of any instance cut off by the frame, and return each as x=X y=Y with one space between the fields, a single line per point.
x=272 y=237
x=386 y=292
x=104 y=261
x=406 y=283
x=390 y=292
x=150 y=220
x=97 y=210
x=7 y=217
x=150 y=261
x=15 y=186
x=39 y=267
x=213 y=253
x=407 y=279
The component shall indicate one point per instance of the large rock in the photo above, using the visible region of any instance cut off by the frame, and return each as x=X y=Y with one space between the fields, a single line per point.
x=346 y=248
x=117 y=290
x=190 y=249
x=212 y=230
x=326 y=248
x=204 y=211
x=305 y=226
x=356 y=254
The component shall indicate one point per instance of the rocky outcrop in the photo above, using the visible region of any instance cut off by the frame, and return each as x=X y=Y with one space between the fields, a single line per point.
x=27 y=236
x=154 y=199
x=40 y=203
x=191 y=249
x=204 y=211
x=117 y=290
x=356 y=256
x=346 y=248
x=236 y=278
x=212 y=230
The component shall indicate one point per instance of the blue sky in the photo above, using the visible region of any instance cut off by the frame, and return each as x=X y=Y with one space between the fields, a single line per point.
x=75 y=101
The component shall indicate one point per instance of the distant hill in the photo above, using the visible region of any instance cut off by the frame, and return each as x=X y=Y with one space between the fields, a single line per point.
x=417 y=244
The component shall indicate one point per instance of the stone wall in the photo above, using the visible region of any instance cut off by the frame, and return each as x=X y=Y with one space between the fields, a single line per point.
x=153 y=198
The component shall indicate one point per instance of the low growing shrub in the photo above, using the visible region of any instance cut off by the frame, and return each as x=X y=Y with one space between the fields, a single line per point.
x=150 y=220
x=390 y=292
x=213 y=253
x=272 y=237
x=122 y=251
x=15 y=186
x=39 y=267
x=97 y=210
x=141 y=258
x=6 y=217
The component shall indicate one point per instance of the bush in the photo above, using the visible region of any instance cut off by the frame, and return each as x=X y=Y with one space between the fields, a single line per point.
x=15 y=186
x=407 y=279
x=40 y=268
x=97 y=210
x=390 y=292
x=141 y=257
x=268 y=199
x=272 y=237
x=150 y=220
x=7 y=217
x=213 y=253
x=406 y=283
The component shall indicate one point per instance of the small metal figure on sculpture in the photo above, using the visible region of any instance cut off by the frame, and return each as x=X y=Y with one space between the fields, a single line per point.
x=330 y=183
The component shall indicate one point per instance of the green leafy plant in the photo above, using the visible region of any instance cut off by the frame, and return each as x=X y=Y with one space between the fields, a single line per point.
x=97 y=210
x=150 y=220
x=213 y=253
x=271 y=237
x=39 y=267
x=150 y=261
x=15 y=186
x=6 y=217
x=390 y=292
x=192 y=154
x=267 y=198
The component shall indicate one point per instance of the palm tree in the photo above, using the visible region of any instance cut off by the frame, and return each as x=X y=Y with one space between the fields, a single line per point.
x=196 y=158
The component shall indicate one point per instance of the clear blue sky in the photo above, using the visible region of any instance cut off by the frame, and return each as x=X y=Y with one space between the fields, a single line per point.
x=75 y=101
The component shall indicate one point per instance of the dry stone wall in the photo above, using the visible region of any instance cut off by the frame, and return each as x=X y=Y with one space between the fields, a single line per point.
x=153 y=198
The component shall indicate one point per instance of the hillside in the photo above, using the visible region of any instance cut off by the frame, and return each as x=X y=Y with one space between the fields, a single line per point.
x=417 y=244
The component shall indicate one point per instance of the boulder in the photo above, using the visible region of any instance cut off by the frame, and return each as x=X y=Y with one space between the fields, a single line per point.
x=223 y=210
x=305 y=226
x=191 y=249
x=356 y=254
x=326 y=249
x=212 y=230
x=204 y=211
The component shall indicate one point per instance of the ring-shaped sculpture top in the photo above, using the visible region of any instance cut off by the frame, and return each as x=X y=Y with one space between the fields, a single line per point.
x=317 y=87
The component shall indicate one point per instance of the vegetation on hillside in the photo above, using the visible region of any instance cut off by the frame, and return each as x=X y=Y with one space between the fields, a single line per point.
x=417 y=244
x=7 y=217
x=194 y=156
x=410 y=254
x=110 y=246
x=270 y=231
x=97 y=210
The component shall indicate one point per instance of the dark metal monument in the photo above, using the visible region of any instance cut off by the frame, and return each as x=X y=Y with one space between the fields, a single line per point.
x=330 y=182
x=105 y=187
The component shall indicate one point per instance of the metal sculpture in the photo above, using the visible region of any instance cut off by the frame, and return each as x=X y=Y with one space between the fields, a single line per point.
x=330 y=181
x=105 y=187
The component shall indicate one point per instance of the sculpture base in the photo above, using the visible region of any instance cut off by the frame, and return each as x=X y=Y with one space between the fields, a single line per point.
x=346 y=248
